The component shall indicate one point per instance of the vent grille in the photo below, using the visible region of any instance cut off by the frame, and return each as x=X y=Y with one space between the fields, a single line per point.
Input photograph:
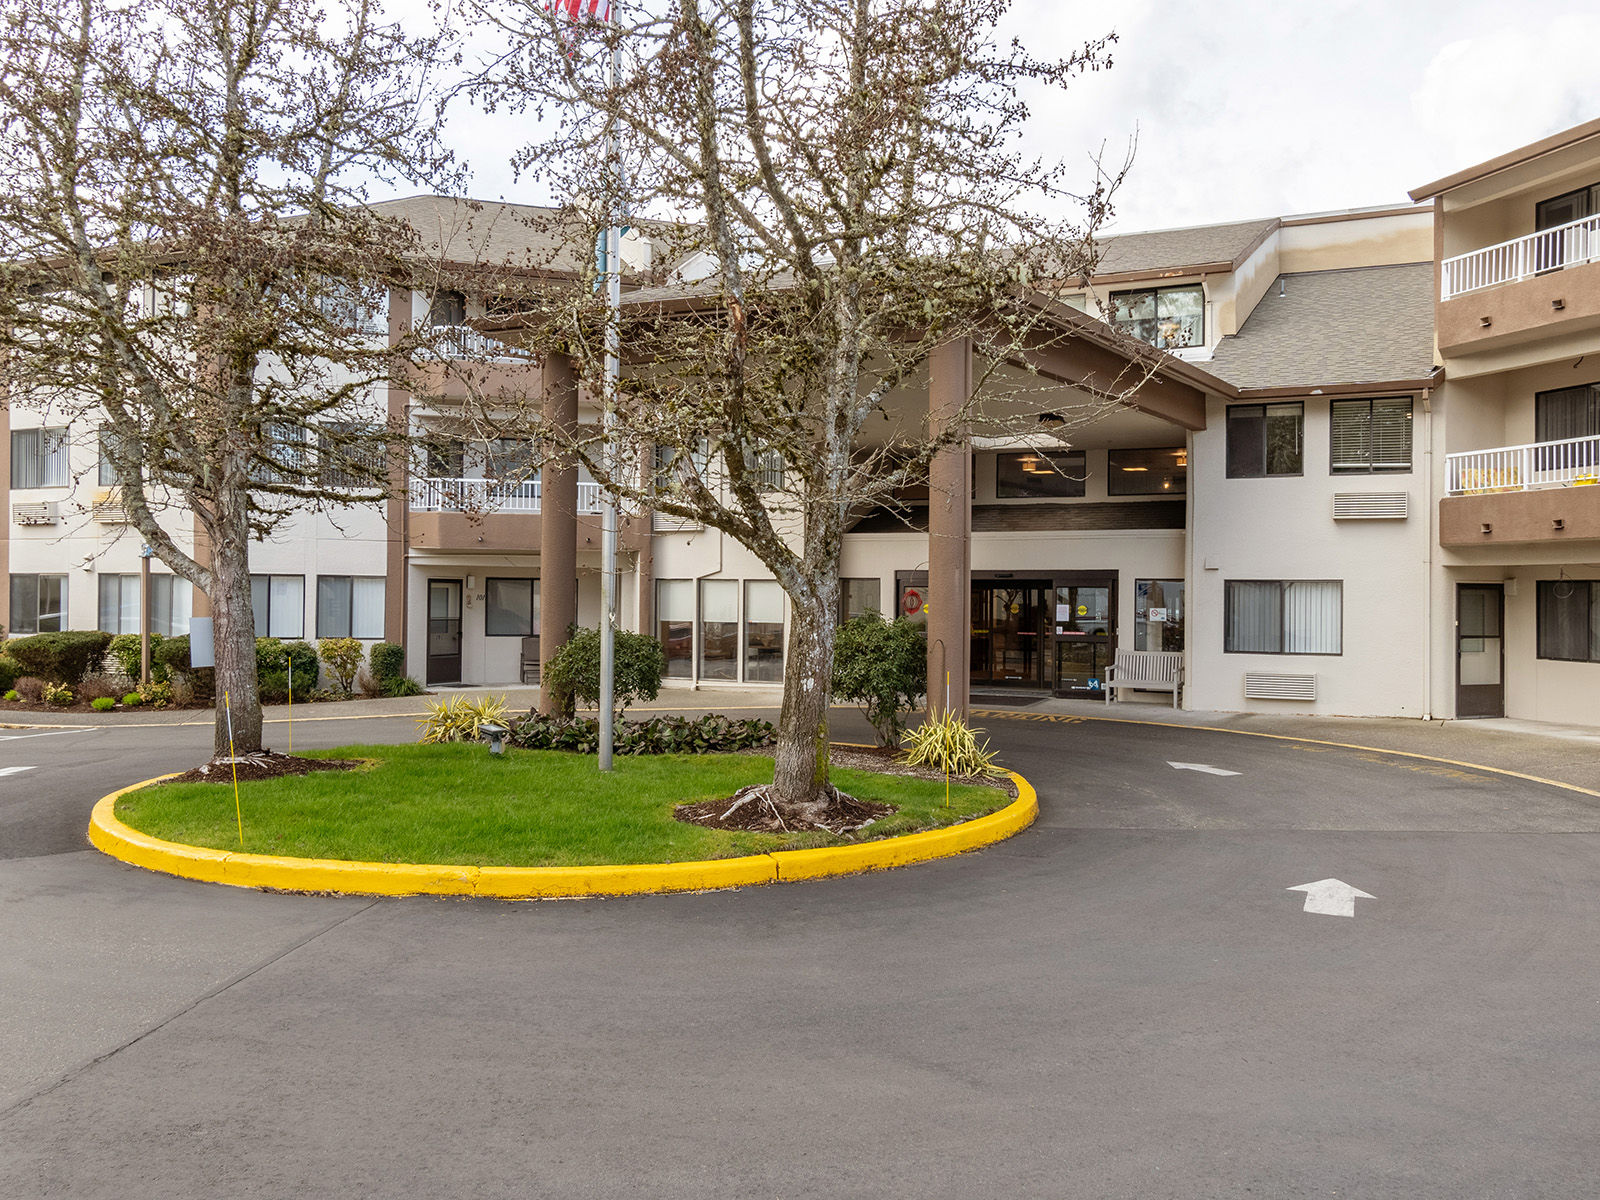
x=1262 y=685
x=42 y=512
x=662 y=523
x=110 y=512
x=1371 y=506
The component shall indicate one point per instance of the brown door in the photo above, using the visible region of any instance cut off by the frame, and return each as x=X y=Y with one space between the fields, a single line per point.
x=1480 y=650
x=444 y=631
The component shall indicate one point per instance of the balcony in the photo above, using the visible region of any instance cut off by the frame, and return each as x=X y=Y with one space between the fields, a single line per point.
x=485 y=496
x=1543 y=288
x=465 y=342
x=1522 y=495
x=1553 y=249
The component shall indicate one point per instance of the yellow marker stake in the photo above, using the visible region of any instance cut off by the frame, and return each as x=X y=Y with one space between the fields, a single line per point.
x=291 y=704
x=233 y=757
x=947 y=757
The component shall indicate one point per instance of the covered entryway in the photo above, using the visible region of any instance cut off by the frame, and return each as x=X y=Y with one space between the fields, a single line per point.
x=444 y=631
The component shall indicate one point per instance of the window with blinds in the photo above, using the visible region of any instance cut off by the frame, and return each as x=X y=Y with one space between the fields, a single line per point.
x=1569 y=620
x=1272 y=616
x=1370 y=436
x=1572 y=412
x=39 y=458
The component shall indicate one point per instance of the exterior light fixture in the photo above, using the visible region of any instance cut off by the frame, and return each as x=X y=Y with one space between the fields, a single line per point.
x=496 y=734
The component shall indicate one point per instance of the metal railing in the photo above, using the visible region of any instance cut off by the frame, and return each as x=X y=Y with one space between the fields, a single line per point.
x=1567 y=463
x=1551 y=249
x=437 y=494
x=463 y=341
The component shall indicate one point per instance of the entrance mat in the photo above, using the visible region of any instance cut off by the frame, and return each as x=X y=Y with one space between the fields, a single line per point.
x=1010 y=699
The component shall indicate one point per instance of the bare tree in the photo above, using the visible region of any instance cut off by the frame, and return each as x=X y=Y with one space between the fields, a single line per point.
x=189 y=263
x=850 y=195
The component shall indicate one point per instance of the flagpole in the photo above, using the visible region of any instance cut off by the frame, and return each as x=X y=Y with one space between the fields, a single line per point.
x=608 y=514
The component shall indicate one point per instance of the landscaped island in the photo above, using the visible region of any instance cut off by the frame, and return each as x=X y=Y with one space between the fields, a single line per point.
x=457 y=804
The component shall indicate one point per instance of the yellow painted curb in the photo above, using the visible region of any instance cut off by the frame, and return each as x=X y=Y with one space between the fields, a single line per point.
x=120 y=841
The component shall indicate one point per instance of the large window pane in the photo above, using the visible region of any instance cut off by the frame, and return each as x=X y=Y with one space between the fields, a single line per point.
x=366 y=610
x=857 y=596
x=1567 y=413
x=38 y=603
x=280 y=605
x=1284 y=441
x=171 y=600
x=675 y=625
x=1147 y=472
x=1370 y=435
x=333 y=606
x=1033 y=474
x=1158 y=614
x=511 y=607
x=1254 y=617
x=39 y=458
x=1168 y=318
x=719 y=629
x=1568 y=619
x=1283 y=616
x=1312 y=617
x=763 y=631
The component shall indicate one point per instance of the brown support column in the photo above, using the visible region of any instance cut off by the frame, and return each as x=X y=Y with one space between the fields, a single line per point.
x=200 y=602
x=5 y=521
x=558 y=520
x=645 y=561
x=949 y=533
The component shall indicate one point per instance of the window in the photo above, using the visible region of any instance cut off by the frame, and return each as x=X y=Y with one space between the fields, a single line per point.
x=362 y=308
x=1567 y=413
x=445 y=459
x=673 y=462
x=279 y=602
x=1569 y=620
x=39 y=458
x=351 y=454
x=1162 y=472
x=105 y=473
x=1034 y=474
x=350 y=606
x=171 y=599
x=38 y=603
x=763 y=631
x=1266 y=439
x=1158 y=614
x=1167 y=318
x=1370 y=436
x=857 y=596
x=719 y=629
x=1283 y=617
x=447 y=308
x=511 y=607
x=510 y=458
x=765 y=468
x=675 y=625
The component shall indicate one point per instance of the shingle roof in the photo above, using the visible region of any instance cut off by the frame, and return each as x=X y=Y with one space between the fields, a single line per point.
x=1363 y=325
x=490 y=231
x=1169 y=249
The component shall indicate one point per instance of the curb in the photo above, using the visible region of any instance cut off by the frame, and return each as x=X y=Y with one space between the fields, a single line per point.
x=110 y=836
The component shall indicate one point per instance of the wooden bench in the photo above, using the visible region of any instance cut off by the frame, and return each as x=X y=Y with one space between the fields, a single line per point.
x=1151 y=670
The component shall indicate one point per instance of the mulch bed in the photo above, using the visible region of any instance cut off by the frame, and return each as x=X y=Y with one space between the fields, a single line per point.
x=262 y=766
x=751 y=810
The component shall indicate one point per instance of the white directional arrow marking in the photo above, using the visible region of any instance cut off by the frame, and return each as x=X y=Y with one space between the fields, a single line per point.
x=1331 y=897
x=14 y=770
x=1209 y=770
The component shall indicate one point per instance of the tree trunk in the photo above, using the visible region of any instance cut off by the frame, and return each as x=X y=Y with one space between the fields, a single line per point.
x=234 y=630
x=800 y=778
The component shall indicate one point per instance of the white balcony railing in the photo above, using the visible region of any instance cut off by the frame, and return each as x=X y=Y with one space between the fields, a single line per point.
x=1567 y=245
x=436 y=494
x=465 y=342
x=1568 y=463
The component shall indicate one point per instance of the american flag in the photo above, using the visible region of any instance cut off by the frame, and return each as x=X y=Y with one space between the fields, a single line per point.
x=578 y=10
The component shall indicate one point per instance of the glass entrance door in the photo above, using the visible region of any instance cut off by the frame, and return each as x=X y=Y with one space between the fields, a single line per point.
x=1085 y=637
x=1480 y=653
x=444 y=631
x=1008 y=633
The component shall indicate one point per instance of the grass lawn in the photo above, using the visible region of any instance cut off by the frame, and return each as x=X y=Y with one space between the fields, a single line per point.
x=529 y=808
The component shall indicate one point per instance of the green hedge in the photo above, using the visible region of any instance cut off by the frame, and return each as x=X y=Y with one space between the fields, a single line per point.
x=59 y=657
x=710 y=734
x=126 y=650
x=10 y=672
x=573 y=671
x=386 y=661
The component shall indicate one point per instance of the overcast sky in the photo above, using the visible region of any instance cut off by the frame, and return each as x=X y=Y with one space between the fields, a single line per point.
x=1246 y=108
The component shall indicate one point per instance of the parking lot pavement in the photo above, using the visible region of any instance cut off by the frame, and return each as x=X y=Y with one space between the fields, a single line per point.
x=1128 y=1000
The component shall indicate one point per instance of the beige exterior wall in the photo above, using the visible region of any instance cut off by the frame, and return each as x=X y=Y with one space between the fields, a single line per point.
x=1356 y=241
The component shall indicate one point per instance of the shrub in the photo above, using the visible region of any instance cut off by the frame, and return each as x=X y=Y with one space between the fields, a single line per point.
x=12 y=695
x=342 y=657
x=883 y=667
x=173 y=655
x=60 y=657
x=404 y=685
x=98 y=685
x=102 y=704
x=388 y=661
x=574 y=670
x=58 y=694
x=947 y=743
x=367 y=685
x=273 y=660
x=30 y=688
x=156 y=695
x=132 y=700
x=456 y=718
x=10 y=671
x=710 y=734
x=125 y=649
